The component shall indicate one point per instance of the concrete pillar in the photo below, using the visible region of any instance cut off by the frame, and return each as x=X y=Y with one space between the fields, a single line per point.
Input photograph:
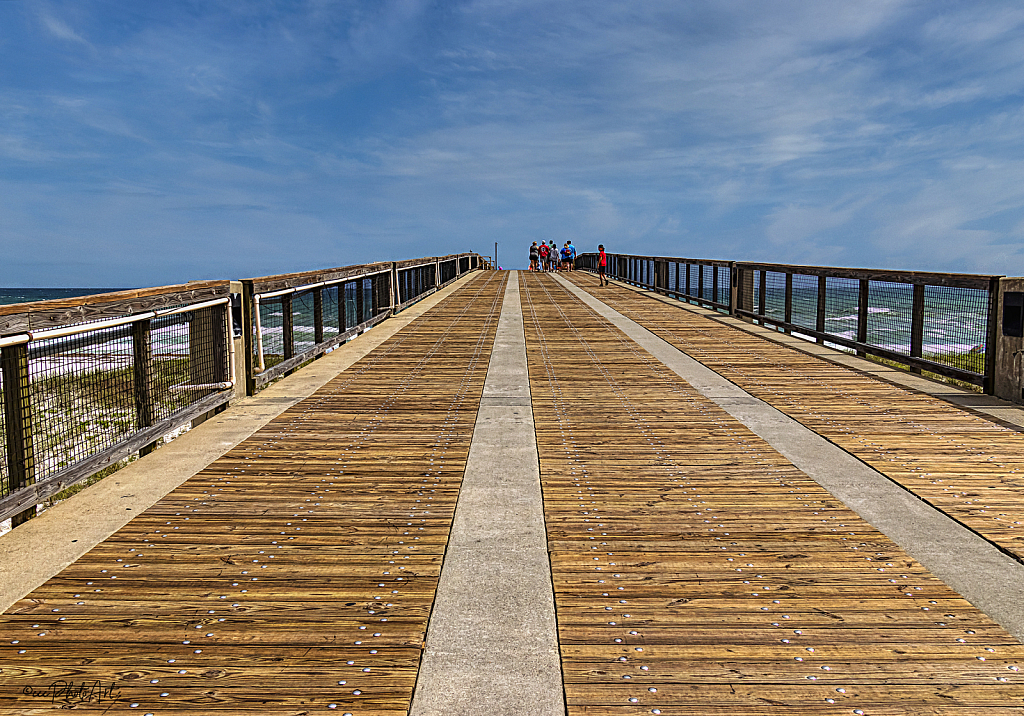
x=1009 y=340
x=238 y=331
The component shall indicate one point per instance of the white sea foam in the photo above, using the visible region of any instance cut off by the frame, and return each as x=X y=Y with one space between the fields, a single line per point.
x=854 y=316
x=936 y=348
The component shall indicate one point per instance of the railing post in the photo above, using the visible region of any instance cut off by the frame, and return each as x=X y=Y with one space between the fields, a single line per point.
x=396 y=296
x=223 y=336
x=992 y=337
x=734 y=288
x=788 y=316
x=688 y=279
x=342 y=308
x=318 y=316
x=714 y=283
x=437 y=272
x=762 y=294
x=862 y=313
x=18 y=424
x=917 y=325
x=745 y=286
x=700 y=281
x=819 y=322
x=360 y=317
x=247 y=328
x=287 y=326
x=142 y=374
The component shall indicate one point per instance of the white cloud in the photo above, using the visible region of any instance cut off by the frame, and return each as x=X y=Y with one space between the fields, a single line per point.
x=797 y=130
x=60 y=29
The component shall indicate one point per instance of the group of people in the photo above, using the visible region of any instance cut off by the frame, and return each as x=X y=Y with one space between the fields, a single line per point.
x=548 y=257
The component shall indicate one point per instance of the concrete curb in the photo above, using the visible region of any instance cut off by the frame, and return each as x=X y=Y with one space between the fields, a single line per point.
x=974 y=567
x=988 y=406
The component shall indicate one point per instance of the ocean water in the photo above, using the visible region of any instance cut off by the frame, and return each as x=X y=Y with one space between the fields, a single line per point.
x=112 y=347
x=25 y=295
x=955 y=319
x=271 y=317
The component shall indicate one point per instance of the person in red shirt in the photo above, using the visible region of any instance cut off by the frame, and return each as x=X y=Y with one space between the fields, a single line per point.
x=543 y=249
x=602 y=265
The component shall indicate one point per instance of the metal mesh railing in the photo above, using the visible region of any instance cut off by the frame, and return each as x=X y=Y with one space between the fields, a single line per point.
x=272 y=331
x=3 y=441
x=955 y=327
x=841 y=295
x=187 y=360
x=94 y=392
x=890 y=315
x=303 y=322
x=775 y=294
x=416 y=281
x=81 y=391
x=941 y=323
x=332 y=318
x=724 y=295
x=351 y=314
x=805 y=301
x=294 y=318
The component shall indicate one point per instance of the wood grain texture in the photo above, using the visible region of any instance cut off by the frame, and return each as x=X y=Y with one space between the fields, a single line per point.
x=296 y=572
x=959 y=462
x=38 y=315
x=696 y=571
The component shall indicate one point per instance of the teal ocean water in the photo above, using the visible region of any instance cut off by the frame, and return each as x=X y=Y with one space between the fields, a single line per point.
x=25 y=295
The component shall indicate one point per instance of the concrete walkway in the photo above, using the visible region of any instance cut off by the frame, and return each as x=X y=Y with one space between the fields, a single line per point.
x=492 y=644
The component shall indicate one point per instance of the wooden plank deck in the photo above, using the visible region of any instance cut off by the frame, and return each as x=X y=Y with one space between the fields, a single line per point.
x=696 y=571
x=963 y=464
x=294 y=575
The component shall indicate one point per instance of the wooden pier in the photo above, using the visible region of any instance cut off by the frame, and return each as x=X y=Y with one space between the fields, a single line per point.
x=694 y=568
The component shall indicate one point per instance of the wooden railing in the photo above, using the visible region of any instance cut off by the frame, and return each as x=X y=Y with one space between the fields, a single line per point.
x=289 y=319
x=943 y=323
x=87 y=382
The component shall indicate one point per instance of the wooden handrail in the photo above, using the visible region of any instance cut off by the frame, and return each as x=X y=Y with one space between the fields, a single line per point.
x=40 y=315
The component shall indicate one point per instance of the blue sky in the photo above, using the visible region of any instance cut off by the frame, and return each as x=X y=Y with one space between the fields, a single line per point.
x=157 y=142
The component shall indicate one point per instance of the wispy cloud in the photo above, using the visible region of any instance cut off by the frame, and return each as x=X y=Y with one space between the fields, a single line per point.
x=59 y=28
x=882 y=132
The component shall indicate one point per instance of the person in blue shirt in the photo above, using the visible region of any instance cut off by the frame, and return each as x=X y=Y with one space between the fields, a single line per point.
x=572 y=254
x=563 y=256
